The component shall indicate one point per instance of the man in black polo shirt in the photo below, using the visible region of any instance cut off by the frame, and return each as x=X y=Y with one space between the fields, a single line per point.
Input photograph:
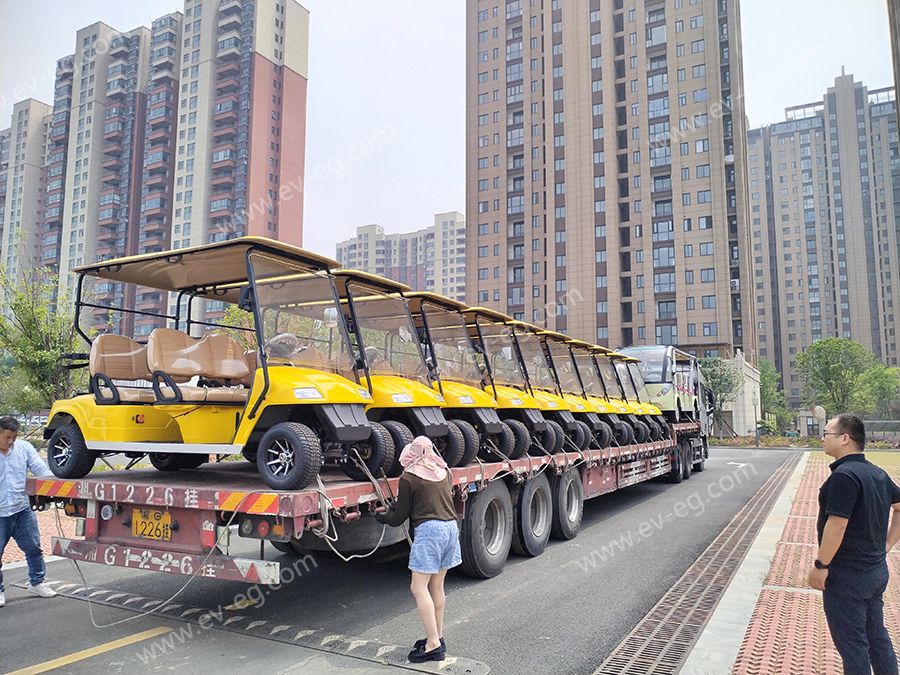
x=851 y=567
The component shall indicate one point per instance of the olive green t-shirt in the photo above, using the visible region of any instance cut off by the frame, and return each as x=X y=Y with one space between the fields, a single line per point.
x=419 y=500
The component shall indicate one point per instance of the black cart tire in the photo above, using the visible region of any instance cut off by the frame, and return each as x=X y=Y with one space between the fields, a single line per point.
x=505 y=442
x=559 y=435
x=522 y=436
x=533 y=516
x=586 y=435
x=471 y=442
x=402 y=436
x=568 y=504
x=655 y=431
x=603 y=435
x=624 y=434
x=249 y=453
x=487 y=531
x=289 y=456
x=68 y=454
x=641 y=432
x=166 y=461
x=452 y=446
x=377 y=454
x=193 y=461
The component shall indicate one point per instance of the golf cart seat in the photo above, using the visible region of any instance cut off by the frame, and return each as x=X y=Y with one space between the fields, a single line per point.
x=175 y=358
x=116 y=357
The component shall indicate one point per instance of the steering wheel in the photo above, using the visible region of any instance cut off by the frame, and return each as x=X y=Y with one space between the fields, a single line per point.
x=284 y=346
x=373 y=355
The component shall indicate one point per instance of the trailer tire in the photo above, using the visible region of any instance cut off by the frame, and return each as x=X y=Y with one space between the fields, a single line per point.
x=586 y=435
x=471 y=442
x=522 y=436
x=68 y=454
x=687 y=462
x=603 y=435
x=701 y=465
x=402 y=436
x=283 y=547
x=487 y=530
x=378 y=454
x=505 y=442
x=676 y=475
x=641 y=432
x=532 y=516
x=289 y=441
x=568 y=504
x=165 y=461
x=451 y=447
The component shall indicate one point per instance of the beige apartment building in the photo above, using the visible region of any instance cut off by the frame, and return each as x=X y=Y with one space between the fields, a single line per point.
x=23 y=193
x=606 y=179
x=432 y=259
x=824 y=205
x=894 y=23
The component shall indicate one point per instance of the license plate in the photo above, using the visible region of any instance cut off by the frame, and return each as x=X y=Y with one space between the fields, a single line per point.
x=151 y=524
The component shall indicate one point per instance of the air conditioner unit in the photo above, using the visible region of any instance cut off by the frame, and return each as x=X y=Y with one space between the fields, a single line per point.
x=735 y=285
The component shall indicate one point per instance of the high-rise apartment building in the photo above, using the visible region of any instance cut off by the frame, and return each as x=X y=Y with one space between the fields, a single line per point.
x=894 y=24
x=825 y=208
x=4 y=173
x=188 y=132
x=24 y=203
x=432 y=259
x=606 y=179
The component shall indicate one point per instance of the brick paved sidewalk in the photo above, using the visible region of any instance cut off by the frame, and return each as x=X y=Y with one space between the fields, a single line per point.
x=47 y=524
x=788 y=633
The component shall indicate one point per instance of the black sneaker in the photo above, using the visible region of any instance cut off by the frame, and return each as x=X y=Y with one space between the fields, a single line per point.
x=419 y=655
x=418 y=644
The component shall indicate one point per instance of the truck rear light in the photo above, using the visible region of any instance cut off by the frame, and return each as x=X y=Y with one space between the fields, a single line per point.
x=262 y=528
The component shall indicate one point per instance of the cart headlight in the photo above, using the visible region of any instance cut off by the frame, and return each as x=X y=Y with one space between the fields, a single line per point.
x=516 y=401
x=307 y=393
x=440 y=397
x=552 y=404
x=401 y=398
x=364 y=393
x=466 y=400
x=578 y=406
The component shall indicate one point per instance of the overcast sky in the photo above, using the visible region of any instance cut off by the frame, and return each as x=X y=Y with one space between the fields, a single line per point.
x=385 y=125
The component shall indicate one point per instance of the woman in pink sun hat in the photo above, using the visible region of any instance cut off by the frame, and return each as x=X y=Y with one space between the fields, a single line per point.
x=425 y=498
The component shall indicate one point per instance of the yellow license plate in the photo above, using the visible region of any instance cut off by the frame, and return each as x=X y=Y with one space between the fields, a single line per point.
x=152 y=524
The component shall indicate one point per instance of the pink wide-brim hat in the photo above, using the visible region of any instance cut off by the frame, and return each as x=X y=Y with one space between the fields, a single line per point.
x=421 y=459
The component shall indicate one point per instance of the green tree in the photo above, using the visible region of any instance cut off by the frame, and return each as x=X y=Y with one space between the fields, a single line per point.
x=234 y=320
x=35 y=333
x=831 y=369
x=879 y=390
x=771 y=395
x=724 y=381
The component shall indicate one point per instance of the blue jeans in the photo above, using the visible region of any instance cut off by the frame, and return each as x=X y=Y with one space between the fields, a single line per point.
x=23 y=528
x=854 y=608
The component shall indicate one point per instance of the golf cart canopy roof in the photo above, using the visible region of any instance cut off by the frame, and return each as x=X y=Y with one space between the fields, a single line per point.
x=209 y=265
x=417 y=298
x=374 y=281
x=487 y=313
x=555 y=336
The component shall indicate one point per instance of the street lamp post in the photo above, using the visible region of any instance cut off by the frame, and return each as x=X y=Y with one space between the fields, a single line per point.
x=756 y=420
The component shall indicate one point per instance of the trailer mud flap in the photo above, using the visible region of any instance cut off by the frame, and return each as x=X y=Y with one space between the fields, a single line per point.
x=345 y=422
x=428 y=422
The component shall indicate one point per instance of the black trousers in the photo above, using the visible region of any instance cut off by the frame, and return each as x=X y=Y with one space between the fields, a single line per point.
x=854 y=608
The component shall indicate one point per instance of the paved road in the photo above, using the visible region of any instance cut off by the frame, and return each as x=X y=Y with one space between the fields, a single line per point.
x=562 y=612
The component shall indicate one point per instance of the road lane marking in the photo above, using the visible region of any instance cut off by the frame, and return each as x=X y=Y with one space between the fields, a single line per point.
x=74 y=657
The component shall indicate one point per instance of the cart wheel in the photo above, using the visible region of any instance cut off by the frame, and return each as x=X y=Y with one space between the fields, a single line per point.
x=165 y=461
x=522 y=436
x=377 y=454
x=402 y=436
x=67 y=453
x=249 y=452
x=585 y=434
x=193 y=461
x=624 y=433
x=289 y=456
x=505 y=442
x=641 y=432
x=603 y=436
x=471 y=442
x=452 y=446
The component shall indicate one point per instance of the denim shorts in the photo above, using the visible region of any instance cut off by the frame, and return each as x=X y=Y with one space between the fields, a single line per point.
x=435 y=547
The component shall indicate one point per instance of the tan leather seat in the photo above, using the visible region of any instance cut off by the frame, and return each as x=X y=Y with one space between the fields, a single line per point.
x=179 y=356
x=252 y=360
x=225 y=363
x=120 y=358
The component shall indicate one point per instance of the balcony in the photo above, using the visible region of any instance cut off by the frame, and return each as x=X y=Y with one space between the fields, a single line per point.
x=228 y=68
x=113 y=131
x=220 y=207
x=113 y=163
x=226 y=109
x=224 y=133
x=228 y=85
x=229 y=45
x=156 y=180
x=108 y=216
x=120 y=46
x=155 y=206
x=229 y=21
x=160 y=132
x=230 y=7
x=65 y=67
x=111 y=178
x=113 y=147
x=117 y=87
x=223 y=158
x=156 y=161
x=222 y=180
x=59 y=131
x=154 y=237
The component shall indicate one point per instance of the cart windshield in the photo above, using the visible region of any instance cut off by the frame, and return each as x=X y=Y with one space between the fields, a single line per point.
x=386 y=334
x=565 y=368
x=627 y=386
x=635 y=369
x=593 y=385
x=454 y=355
x=500 y=350
x=535 y=362
x=608 y=373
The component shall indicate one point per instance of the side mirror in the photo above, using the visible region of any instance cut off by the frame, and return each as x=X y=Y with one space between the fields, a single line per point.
x=330 y=317
x=245 y=299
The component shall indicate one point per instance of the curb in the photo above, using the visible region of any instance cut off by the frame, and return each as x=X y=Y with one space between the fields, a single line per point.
x=716 y=651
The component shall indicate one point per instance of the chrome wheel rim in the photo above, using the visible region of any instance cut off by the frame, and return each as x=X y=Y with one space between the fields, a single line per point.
x=62 y=451
x=494 y=527
x=280 y=458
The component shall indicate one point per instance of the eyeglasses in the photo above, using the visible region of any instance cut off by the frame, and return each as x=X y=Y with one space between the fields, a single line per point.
x=832 y=433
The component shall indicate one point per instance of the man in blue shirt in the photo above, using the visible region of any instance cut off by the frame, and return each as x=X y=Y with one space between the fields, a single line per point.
x=855 y=505
x=17 y=520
